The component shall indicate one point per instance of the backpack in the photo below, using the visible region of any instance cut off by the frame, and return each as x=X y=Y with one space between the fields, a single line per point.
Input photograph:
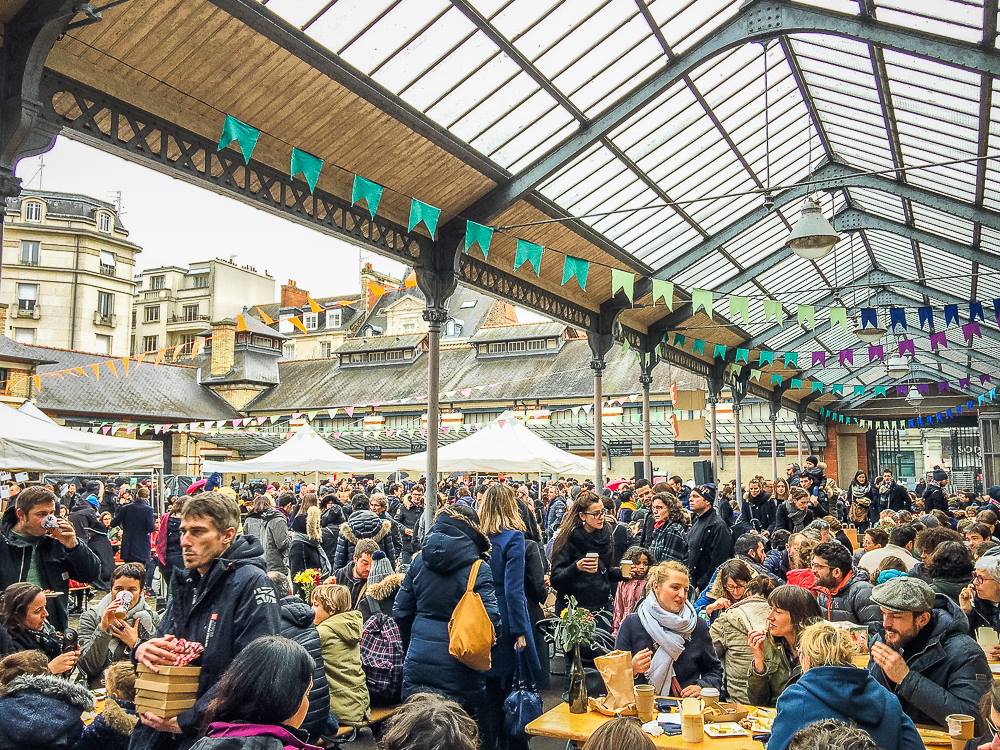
x=382 y=655
x=859 y=511
x=470 y=631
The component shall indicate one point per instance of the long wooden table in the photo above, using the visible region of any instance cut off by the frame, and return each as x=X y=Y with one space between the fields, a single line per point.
x=558 y=723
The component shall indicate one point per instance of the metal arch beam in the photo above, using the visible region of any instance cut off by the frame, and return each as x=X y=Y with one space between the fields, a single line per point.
x=757 y=20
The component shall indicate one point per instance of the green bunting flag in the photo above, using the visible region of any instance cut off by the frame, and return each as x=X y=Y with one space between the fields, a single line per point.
x=528 y=252
x=774 y=311
x=237 y=130
x=426 y=213
x=755 y=375
x=719 y=352
x=307 y=164
x=701 y=299
x=477 y=234
x=578 y=268
x=859 y=391
x=881 y=390
x=743 y=355
x=791 y=359
x=663 y=290
x=370 y=191
x=806 y=316
x=698 y=346
x=816 y=386
x=739 y=306
x=624 y=281
x=765 y=358
x=776 y=379
x=837 y=388
x=795 y=384
x=680 y=339
x=838 y=317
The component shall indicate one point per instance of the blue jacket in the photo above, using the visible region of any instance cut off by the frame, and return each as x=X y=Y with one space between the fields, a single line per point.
x=507 y=565
x=698 y=663
x=434 y=582
x=848 y=694
x=297 y=625
x=137 y=522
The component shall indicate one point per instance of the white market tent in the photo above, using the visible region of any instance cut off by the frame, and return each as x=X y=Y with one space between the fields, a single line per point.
x=304 y=452
x=29 y=408
x=504 y=445
x=32 y=443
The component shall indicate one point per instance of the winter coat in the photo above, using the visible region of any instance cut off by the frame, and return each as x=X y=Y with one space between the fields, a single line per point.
x=779 y=672
x=271 y=528
x=89 y=528
x=407 y=516
x=935 y=499
x=57 y=565
x=554 y=515
x=364 y=525
x=848 y=694
x=776 y=564
x=698 y=664
x=307 y=553
x=948 y=670
x=873 y=558
x=98 y=648
x=345 y=577
x=710 y=543
x=729 y=635
x=668 y=542
x=804 y=578
x=851 y=602
x=759 y=511
x=168 y=542
x=783 y=521
x=897 y=498
x=246 y=736
x=536 y=593
x=297 y=625
x=395 y=533
x=16 y=638
x=235 y=604
x=111 y=729
x=137 y=522
x=380 y=597
x=592 y=590
x=434 y=582
x=43 y=712
x=950 y=587
x=507 y=565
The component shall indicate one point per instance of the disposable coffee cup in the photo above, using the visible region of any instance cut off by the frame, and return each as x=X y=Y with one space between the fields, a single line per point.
x=626 y=568
x=644 y=703
x=961 y=726
x=593 y=555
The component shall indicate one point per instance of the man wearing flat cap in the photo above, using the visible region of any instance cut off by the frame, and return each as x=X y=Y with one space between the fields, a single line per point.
x=928 y=659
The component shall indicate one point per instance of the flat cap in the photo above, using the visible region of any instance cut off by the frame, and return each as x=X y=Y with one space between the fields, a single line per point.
x=904 y=595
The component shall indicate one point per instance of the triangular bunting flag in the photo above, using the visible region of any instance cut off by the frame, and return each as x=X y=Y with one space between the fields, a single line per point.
x=575 y=268
x=774 y=311
x=237 y=130
x=663 y=290
x=370 y=192
x=806 y=316
x=426 y=213
x=701 y=299
x=264 y=317
x=296 y=321
x=478 y=234
x=623 y=281
x=531 y=253
x=739 y=306
x=838 y=317
x=309 y=165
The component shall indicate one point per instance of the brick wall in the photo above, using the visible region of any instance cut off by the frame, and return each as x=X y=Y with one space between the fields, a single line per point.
x=223 y=347
x=830 y=452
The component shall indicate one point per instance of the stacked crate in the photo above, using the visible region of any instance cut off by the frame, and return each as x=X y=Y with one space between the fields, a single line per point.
x=166 y=693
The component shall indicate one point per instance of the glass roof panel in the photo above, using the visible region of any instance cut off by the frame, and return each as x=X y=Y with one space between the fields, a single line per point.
x=893 y=253
x=685 y=23
x=952 y=18
x=878 y=203
x=947 y=272
x=942 y=224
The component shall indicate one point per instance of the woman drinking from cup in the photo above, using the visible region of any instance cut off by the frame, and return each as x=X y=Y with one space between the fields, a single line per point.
x=671 y=647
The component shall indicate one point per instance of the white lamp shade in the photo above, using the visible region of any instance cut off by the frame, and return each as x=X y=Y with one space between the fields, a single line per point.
x=813 y=236
x=897 y=367
x=913 y=396
x=870 y=335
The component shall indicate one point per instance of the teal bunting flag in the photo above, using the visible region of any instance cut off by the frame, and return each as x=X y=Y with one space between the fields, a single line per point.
x=477 y=234
x=701 y=299
x=719 y=352
x=528 y=252
x=309 y=165
x=791 y=359
x=370 y=192
x=237 y=130
x=426 y=213
x=795 y=383
x=698 y=346
x=680 y=339
x=776 y=379
x=663 y=290
x=837 y=388
x=859 y=391
x=881 y=390
x=739 y=306
x=743 y=355
x=578 y=268
x=765 y=358
x=623 y=281
x=816 y=386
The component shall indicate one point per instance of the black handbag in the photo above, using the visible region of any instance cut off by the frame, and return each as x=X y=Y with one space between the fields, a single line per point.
x=523 y=705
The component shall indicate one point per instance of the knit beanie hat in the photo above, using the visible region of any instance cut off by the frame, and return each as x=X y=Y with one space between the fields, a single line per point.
x=364 y=524
x=707 y=491
x=381 y=568
x=940 y=475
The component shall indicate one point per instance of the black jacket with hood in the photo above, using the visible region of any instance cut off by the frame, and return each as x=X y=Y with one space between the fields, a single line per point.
x=297 y=625
x=58 y=565
x=43 y=712
x=87 y=524
x=227 y=608
x=592 y=590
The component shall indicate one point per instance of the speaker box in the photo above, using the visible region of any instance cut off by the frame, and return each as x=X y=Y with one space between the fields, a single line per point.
x=703 y=472
x=639 y=469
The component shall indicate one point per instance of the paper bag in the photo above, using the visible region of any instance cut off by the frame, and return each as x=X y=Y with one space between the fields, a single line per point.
x=616 y=669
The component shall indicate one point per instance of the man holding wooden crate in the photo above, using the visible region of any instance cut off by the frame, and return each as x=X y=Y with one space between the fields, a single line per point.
x=222 y=600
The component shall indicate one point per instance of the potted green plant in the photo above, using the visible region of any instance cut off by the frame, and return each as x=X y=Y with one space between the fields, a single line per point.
x=576 y=626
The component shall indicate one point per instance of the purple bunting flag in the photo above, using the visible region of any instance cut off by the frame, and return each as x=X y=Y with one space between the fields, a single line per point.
x=964 y=383
x=939 y=340
x=906 y=347
x=971 y=329
x=943 y=386
x=901 y=390
x=984 y=379
x=924 y=388
x=819 y=358
x=846 y=355
x=876 y=352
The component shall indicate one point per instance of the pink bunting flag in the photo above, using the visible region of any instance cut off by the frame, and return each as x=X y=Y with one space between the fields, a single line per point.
x=349 y=411
x=906 y=347
x=466 y=392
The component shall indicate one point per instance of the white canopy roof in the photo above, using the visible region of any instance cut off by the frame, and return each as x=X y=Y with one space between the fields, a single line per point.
x=29 y=442
x=305 y=451
x=504 y=445
x=29 y=408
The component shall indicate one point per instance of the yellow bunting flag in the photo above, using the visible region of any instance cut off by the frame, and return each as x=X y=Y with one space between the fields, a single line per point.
x=37 y=380
x=79 y=371
x=177 y=351
x=110 y=364
x=140 y=358
x=125 y=365
x=297 y=322
x=241 y=324
x=264 y=317
x=199 y=344
x=315 y=306
x=158 y=360
x=96 y=367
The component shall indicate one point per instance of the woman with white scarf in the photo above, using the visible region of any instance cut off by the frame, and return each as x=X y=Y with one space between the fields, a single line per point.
x=670 y=645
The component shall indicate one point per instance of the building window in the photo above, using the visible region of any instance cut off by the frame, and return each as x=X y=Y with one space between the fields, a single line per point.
x=200 y=281
x=4 y=381
x=133 y=317
x=30 y=251
x=108 y=263
x=150 y=343
x=325 y=348
x=104 y=222
x=187 y=342
x=191 y=312
x=103 y=345
x=288 y=350
x=409 y=327
x=27 y=297
x=453 y=328
x=152 y=314
x=24 y=335
x=157 y=282
x=32 y=211
x=105 y=304
x=310 y=320
x=333 y=318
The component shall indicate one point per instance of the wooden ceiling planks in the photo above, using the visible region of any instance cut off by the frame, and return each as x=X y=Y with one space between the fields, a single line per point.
x=9 y=8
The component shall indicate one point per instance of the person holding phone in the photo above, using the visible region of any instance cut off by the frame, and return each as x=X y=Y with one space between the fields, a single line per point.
x=24 y=626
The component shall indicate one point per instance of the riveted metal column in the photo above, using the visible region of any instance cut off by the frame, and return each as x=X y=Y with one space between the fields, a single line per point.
x=647 y=458
x=600 y=345
x=738 y=452
x=714 y=392
x=773 y=408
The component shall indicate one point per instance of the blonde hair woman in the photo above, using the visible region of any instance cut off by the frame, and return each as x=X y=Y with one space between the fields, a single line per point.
x=670 y=645
x=832 y=688
x=339 y=629
x=618 y=734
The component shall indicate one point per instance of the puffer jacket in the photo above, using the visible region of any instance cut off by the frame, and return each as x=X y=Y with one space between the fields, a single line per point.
x=434 y=582
x=851 y=602
x=308 y=553
x=297 y=625
x=363 y=524
x=380 y=597
x=779 y=672
x=729 y=634
x=776 y=564
x=948 y=670
x=42 y=712
x=99 y=648
x=341 y=638
x=592 y=590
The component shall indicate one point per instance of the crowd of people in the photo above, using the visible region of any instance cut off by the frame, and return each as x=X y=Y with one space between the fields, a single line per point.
x=316 y=605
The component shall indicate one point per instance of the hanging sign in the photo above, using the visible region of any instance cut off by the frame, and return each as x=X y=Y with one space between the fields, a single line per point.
x=687 y=448
x=764 y=448
x=373 y=453
x=619 y=448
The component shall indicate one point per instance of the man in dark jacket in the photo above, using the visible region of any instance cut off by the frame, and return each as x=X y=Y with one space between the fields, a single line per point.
x=136 y=521
x=842 y=595
x=297 y=625
x=90 y=529
x=934 y=495
x=47 y=557
x=928 y=659
x=407 y=516
x=223 y=600
x=710 y=542
x=810 y=481
x=892 y=495
x=354 y=575
x=758 y=508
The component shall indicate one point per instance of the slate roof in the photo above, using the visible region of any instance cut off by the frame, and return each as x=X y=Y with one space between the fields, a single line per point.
x=470 y=317
x=380 y=343
x=520 y=332
x=257 y=326
x=349 y=312
x=158 y=392
x=13 y=351
x=67 y=204
x=317 y=384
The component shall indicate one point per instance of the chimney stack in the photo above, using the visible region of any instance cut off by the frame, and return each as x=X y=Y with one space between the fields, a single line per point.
x=223 y=347
x=3 y=319
x=292 y=296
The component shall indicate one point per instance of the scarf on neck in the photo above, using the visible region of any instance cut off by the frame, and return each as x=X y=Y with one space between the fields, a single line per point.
x=860 y=490
x=885 y=488
x=670 y=632
x=796 y=516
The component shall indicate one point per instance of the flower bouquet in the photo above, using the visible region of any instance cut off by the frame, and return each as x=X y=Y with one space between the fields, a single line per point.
x=576 y=626
x=307 y=580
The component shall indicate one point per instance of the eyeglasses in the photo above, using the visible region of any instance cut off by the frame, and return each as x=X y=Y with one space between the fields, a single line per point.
x=982 y=579
x=733 y=586
x=594 y=513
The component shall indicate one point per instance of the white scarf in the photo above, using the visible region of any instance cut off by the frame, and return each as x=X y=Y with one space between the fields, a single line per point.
x=670 y=632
